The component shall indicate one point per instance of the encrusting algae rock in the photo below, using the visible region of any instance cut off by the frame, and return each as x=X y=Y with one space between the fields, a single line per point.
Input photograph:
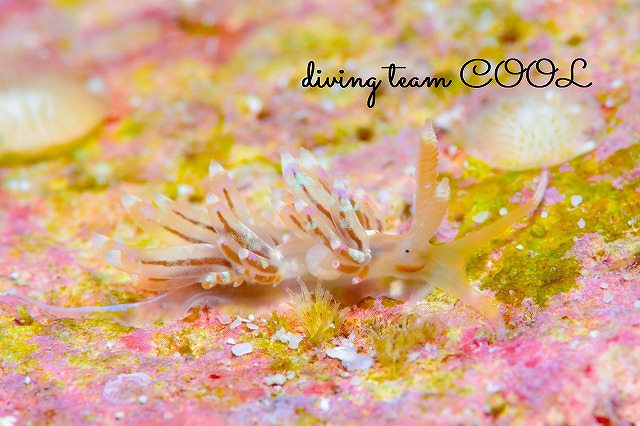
x=44 y=113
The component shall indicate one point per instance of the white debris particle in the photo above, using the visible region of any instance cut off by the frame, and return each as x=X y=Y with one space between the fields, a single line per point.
x=241 y=349
x=8 y=421
x=224 y=319
x=607 y=298
x=351 y=359
x=252 y=326
x=276 y=379
x=27 y=380
x=235 y=323
x=291 y=375
x=110 y=344
x=142 y=399
x=293 y=340
x=119 y=415
x=581 y=223
x=594 y=334
x=503 y=211
x=481 y=217
x=254 y=104
x=324 y=404
x=604 y=285
x=519 y=247
x=251 y=317
x=230 y=341
x=636 y=303
x=576 y=200
x=494 y=386
x=413 y=356
x=544 y=214
x=617 y=83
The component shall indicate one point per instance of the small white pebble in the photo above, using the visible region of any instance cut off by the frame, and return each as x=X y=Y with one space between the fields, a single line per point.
x=636 y=303
x=481 y=217
x=230 y=341
x=95 y=85
x=14 y=275
x=519 y=247
x=241 y=349
x=142 y=399
x=27 y=380
x=276 y=379
x=594 y=334
x=617 y=83
x=544 y=214
x=604 y=285
x=235 y=323
x=119 y=415
x=110 y=344
x=291 y=375
x=607 y=298
x=251 y=317
x=324 y=404
x=576 y=200
x=254 y=104
x=503 y=211
x=581 y=223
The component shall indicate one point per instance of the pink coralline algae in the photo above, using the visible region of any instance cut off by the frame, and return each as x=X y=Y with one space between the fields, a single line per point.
x=191 y=81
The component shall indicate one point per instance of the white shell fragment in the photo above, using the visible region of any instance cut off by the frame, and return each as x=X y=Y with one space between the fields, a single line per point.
x=520 y=129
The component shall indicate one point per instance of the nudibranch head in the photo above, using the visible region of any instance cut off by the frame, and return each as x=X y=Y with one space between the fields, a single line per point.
x=42 y=113
x=519 y=129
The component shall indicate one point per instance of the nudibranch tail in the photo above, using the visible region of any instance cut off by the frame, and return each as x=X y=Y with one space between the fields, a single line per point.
x=169 y=306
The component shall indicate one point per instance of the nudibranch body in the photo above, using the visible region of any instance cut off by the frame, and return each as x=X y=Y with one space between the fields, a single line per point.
x=228 y=253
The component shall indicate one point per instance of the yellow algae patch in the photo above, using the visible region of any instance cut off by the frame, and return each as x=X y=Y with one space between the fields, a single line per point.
x=14 y=340
x=44 y=113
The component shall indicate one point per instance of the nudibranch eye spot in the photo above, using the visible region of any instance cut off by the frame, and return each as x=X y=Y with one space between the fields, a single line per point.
x=519 y=129
x=44 y=113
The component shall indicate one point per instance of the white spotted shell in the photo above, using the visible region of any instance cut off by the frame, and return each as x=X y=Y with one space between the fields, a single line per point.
x=521 y=129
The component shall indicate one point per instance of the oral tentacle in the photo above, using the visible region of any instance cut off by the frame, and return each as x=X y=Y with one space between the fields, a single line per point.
x=476 y=240
x=450 y=276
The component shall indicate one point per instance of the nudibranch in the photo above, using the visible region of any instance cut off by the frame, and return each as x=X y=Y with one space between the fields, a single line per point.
x=229 y=253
